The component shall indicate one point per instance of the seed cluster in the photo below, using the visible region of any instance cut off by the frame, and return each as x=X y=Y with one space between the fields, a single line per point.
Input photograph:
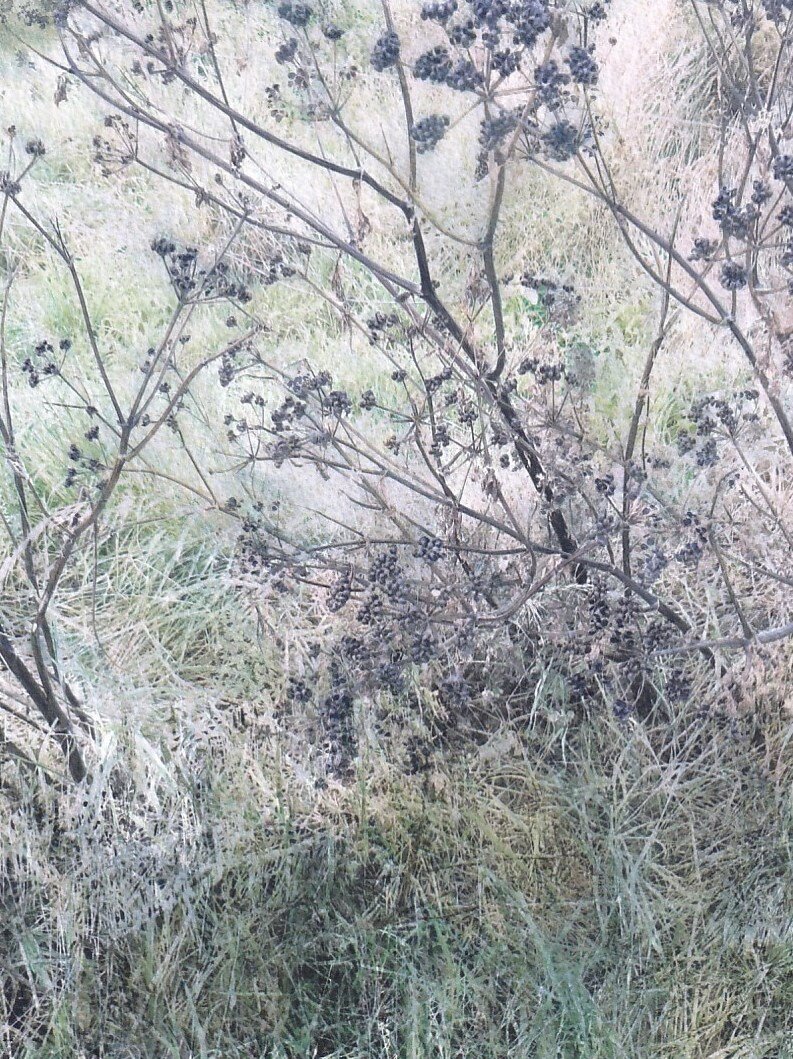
x=550 y=80
x=337 y=716
x=782 y=167
x=434 y=65
x=439 y=12
x=562 y=140
x=191 y=281
x=494 y=130
x=733 y=276
x=583 y=68
x=464 y=77
x=43 y=364
x=297 y=14
x=286 y=52
x=385 y=52
x=428 y=132
x=429 y=548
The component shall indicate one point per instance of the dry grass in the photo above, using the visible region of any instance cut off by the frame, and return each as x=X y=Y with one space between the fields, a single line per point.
x=542 y=883
x=561 y=889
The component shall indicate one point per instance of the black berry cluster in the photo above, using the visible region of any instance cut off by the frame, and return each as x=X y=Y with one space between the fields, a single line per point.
x=493 y=131
x=191 y=281
x=463 y=34
x=286 y=52
x=733 y=219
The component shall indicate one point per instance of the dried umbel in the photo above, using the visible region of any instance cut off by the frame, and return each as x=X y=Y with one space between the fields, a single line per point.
x=385 y=52
x=428 y=132
x=296 y=14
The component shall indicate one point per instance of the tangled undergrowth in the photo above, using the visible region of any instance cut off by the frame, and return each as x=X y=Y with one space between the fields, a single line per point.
x=557 y=885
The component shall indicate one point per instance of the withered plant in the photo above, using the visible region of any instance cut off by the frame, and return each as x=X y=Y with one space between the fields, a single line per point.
x=487 y=520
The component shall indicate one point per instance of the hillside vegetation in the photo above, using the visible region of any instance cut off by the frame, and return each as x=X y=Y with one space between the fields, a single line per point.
x=326 y=731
